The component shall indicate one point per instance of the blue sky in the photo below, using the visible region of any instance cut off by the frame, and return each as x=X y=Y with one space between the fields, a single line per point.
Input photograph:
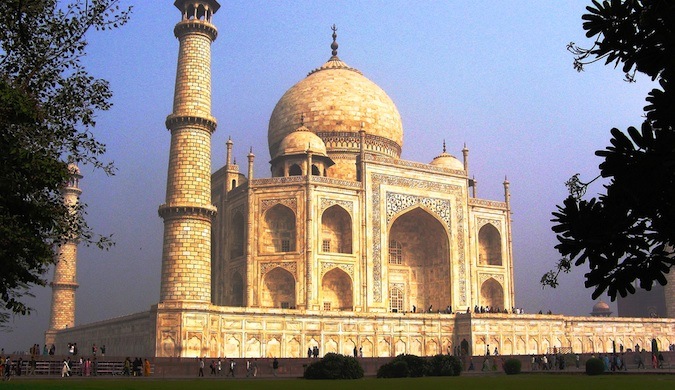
x=494 y=75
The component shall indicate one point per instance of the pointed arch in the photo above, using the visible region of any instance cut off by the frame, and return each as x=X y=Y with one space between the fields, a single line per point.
x=295 y=170
x=492 y=294
x=278 y=289
x=424 y=257
x=489 y=246
x=337 y=291
x=278 y=230
x=336 y=230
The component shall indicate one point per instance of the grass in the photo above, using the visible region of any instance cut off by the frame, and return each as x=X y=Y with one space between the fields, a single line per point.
x=515 y=382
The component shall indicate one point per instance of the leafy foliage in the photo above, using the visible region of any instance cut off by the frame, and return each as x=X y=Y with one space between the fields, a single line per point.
x=627 y=233
x=595 y=366
x=403 y=366
x=512 y=366
x=334 y=366
x=444 y=365
x=48 y=105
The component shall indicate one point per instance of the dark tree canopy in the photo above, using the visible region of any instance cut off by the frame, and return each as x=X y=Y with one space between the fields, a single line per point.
x=48 y=103
x=627 y=233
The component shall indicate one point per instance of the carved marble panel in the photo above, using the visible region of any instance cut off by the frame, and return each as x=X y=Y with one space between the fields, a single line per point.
x=291 y=203
x=345 y=204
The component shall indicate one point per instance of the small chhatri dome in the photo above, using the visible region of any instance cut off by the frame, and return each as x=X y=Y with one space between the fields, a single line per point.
x=601 y=309
x=446 y=160
x=336 y=99
x=301 y=141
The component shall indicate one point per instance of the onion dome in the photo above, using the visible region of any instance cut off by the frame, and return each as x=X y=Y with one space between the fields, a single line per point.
x=448 y=161
x=601 y=309
x=338 y=101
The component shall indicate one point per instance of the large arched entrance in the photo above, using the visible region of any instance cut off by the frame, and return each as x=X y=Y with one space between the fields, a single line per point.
x=278 y=289
x=420 y=258
x=336 y=290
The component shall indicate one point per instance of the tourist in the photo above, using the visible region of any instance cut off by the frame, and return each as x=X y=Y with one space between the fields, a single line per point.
x=249 y=372
x=212 y=366
x=103 y=350
x=275 y=365
x=127 y=367
x=220 y=367
x=146 y=368
x=32 y=365
x=233 y=364
x=255 y=367
x=356 y=352
x=8 y=368
x=65 y=369
x=201 y=367
x=309 y=352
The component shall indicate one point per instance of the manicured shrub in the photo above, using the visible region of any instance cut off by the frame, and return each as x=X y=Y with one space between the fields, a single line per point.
x=444 y=365
x=512 y=366
x=394 y=369
x=417 y=366
x=403 y=366
x=334 y=366
x=595 y=366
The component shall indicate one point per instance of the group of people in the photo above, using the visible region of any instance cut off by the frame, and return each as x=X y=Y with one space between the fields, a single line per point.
x=313 y=352
x=138 y=367
x=216 y=367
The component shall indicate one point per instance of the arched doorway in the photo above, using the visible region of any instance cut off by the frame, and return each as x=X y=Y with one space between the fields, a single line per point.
x=278 y=230
x=492 y=294
x=336 y=290
x=423 y=252
x=489 y=246
x=336 y=230
x=278 y=289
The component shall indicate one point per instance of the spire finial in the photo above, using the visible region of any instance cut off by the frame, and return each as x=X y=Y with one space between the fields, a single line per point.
x=302 y=119
x=444 y=145
x=334 y=45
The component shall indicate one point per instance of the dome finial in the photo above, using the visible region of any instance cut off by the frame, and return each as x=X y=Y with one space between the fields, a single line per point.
x=302 y=119
x=443 y=145
x=334 y=45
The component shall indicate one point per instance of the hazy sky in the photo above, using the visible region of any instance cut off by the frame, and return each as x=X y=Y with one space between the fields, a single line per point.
x=492 y=74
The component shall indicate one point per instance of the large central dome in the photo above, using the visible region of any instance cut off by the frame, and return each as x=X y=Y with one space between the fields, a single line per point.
x=336 y=101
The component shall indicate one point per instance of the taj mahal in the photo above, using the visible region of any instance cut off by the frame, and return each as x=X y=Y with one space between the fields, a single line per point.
x=344 y=246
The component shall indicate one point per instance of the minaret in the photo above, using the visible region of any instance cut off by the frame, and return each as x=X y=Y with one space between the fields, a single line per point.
x=188 y=212
x=64 y=283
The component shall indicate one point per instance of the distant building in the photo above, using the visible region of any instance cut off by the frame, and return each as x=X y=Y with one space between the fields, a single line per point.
x=644 y=303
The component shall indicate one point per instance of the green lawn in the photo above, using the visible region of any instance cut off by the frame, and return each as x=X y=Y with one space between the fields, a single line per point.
x=517 y=382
